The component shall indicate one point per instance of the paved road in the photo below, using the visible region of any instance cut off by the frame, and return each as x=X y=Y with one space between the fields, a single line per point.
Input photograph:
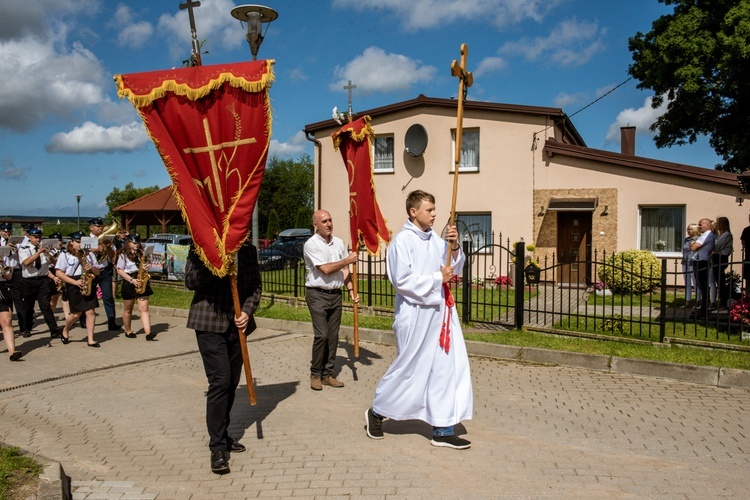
x=127 y=421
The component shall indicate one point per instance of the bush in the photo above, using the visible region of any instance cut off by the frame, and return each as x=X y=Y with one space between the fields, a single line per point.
x=631 y=271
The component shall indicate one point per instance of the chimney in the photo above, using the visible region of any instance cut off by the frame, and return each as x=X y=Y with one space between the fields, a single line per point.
x=627 y=140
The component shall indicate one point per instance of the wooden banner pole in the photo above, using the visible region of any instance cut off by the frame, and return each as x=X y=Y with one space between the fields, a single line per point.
x=243 y=339
x=465 y=79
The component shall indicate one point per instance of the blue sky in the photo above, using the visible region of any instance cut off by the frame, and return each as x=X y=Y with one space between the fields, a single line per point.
x=63 y=130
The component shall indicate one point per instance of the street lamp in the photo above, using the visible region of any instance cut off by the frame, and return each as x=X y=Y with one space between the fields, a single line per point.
x=78 y=200
x=254 y=16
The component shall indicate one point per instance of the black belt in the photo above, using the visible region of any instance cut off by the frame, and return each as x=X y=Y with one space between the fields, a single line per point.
x=35 y=277
x=326 y=290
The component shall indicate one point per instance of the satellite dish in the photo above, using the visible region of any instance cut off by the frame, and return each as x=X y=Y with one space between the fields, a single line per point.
x=416 y=140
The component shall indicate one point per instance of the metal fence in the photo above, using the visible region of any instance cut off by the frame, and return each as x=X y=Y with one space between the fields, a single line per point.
x=499 y=287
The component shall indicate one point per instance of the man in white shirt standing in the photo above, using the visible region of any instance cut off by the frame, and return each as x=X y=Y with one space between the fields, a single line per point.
x=702 y=257
x=327 y=262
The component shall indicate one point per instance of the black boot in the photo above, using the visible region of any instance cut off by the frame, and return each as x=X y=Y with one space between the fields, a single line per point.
x=113 y=326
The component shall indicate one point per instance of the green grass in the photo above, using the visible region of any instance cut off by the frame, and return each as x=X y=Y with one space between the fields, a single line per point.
x=18 y=473
x=176 y=298
x=673 y=354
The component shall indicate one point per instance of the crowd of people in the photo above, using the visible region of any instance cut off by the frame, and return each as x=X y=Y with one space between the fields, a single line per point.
x=706 y=251
x=43 y=275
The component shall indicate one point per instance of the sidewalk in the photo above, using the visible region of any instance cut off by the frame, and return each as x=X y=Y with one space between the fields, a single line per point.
x=127 y=421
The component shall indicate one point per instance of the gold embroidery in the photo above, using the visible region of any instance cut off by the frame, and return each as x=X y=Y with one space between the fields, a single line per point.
x=219 y=163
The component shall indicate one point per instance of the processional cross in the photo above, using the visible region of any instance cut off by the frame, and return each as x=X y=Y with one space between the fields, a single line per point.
x=349 y=89
x=190 y=5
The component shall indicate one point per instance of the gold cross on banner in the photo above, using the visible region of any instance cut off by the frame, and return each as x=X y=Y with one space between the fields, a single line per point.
x=214 y=188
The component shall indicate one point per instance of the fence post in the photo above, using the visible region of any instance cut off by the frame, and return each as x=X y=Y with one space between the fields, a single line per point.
x=663 y=308
x=519 y=282
x=369 y=279
x=466 y=282
x=295 y=273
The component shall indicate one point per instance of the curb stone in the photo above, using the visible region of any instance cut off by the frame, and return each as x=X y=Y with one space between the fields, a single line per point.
x=706 y=375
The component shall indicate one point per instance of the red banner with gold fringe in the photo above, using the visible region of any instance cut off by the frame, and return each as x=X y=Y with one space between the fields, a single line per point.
x=366 y=222
x=212 y=127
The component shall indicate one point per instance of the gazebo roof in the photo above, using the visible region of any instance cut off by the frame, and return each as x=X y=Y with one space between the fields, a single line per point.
x=162 y=200
x=154 y=209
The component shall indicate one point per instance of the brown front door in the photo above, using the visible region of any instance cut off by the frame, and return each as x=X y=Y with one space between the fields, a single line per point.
x=574 y=248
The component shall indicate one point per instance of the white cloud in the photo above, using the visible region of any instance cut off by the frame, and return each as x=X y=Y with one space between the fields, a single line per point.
x=563 y=100
x=297 y=145
x=93 y=138
x=297 y=74
x=490 y=65
x=10 y=172
x=570 y=43
x=420 y=14
x=376 y=71
x=132 y=33
x=641 y=118
x=39 y=81
x=31 y=17
x=214 y=24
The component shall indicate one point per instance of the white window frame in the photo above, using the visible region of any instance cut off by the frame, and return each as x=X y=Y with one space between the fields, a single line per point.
x=477 y=240
x=383 y=170
x=466 y=155
x=679 y=234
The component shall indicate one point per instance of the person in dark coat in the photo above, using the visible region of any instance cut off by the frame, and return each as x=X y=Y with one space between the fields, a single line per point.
x=212 y=317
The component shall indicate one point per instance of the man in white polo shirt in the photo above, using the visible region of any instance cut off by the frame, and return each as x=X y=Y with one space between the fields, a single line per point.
x=327 y=262
x=702 y=248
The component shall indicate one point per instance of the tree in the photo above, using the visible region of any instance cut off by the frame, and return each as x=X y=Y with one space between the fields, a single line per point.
x=119 y=197
x=304 y=217
x=273 y=225
x=698 y=60
x=287 y=187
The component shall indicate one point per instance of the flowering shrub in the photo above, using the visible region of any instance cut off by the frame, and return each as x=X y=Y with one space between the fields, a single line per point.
x=631 y=271
x=740 y=311
x=598 y=286
x=504 y=281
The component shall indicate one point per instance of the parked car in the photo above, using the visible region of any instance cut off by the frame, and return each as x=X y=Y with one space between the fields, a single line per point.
x=286 y=251
x=172 y=239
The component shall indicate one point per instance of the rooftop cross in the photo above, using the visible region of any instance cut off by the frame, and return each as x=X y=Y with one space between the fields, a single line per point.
x=349 y=89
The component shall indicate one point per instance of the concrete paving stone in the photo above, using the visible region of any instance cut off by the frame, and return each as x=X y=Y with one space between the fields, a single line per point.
x=530 y=421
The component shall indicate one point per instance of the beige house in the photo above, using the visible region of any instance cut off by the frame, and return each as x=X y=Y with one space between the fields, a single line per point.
x=527 y=173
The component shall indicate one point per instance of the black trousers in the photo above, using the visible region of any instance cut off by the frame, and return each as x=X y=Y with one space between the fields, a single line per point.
x=701 y=277
x=222 y=361
x=15 y=291
x=104 y=280
x=37 y=290
x=325 y=310
x=720 y=264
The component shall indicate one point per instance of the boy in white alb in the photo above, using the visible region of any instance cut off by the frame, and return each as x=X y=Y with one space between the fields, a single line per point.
x=430 y=378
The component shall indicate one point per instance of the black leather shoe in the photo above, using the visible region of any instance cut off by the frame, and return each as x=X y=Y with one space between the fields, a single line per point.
x=113 y=326
x=131 y=335
x=64 y=340
x=95 y=344
x=26 y=334
x=237 y=447
x=56 y=334
x=16 y=356
x=219 y=464
x=150 y=336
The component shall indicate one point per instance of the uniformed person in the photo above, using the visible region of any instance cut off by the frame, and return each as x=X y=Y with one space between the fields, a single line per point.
x=14 y=284
x=104 y=279
x=35 y=269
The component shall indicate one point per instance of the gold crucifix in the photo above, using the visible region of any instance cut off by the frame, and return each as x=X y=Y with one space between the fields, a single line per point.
x=215 y=192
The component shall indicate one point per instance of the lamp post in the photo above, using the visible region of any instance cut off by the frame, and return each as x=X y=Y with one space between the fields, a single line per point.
x=253 y=17
x=78 y=200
